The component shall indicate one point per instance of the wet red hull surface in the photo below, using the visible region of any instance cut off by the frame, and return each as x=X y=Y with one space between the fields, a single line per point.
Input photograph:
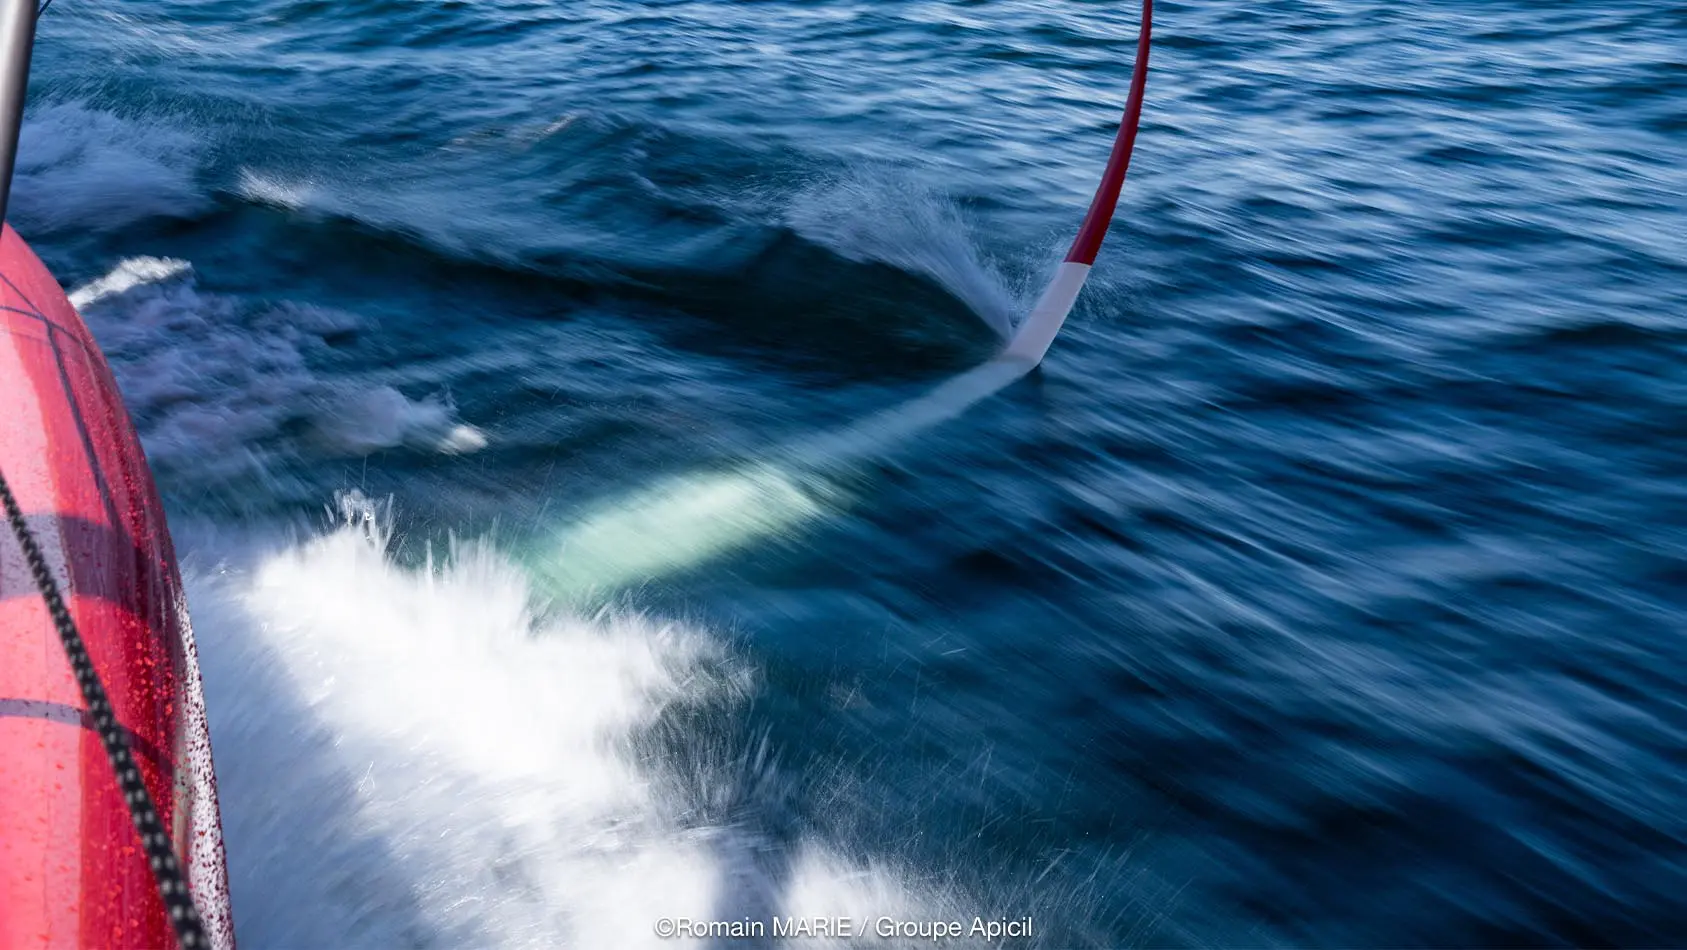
x=71 y=869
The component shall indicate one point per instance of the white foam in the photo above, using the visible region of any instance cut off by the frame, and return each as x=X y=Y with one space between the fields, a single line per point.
x=126 y=276
x=367 y=419
x=85 y=169
x=461 y=439
x=271 y=189
x=417 y=757
x=472 y=222
x=213 y=380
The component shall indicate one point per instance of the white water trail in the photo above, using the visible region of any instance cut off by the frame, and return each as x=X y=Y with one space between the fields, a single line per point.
x=425 y=757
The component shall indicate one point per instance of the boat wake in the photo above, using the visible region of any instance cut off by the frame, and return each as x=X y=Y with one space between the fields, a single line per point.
x=441 y=754
x=223 y=388
x=425 y=756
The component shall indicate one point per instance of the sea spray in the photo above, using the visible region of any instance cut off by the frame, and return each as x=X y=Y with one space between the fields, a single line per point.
x=83 y=169
x=425 y=756
x=888 y=219
x=219 y=384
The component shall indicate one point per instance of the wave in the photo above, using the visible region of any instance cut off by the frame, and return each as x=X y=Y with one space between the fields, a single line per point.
x=871 y=247
x=633 y=207
x=82 y=169
x=221 y=387
x=695 y=224
x=913 y=229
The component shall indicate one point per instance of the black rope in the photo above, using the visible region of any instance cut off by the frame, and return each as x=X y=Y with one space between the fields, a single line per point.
x=166 y=869
x=42 y=8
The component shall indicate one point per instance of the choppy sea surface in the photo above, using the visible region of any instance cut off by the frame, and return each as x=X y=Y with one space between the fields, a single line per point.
x=1325 y=587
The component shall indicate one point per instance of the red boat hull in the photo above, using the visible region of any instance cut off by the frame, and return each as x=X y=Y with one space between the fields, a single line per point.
x=71 y=869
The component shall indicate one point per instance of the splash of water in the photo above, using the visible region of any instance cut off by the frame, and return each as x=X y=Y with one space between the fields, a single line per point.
x=81 y=168
x=424 y=756
x=910 y=228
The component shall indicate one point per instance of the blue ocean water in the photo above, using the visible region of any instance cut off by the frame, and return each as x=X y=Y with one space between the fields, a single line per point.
x=1324 y=587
